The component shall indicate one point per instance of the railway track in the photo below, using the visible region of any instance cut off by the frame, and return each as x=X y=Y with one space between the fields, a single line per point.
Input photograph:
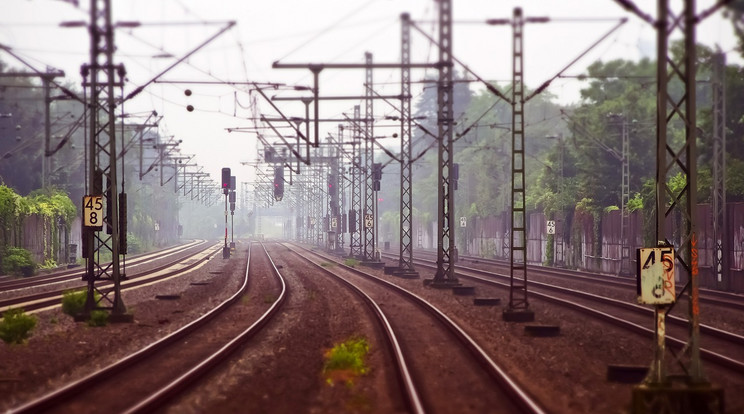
x=8 y=284
x=152 y=273
x=723 y=348
x=423 y=375
x=707 y=296
x=157 y=373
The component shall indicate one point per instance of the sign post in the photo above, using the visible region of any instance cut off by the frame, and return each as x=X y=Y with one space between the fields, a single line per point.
x=655 y=286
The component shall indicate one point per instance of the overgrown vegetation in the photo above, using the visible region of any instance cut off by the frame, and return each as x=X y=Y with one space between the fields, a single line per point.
x=98 y=318
x=345 y=361
x=351 y=262
x=17 y=261
x=73 y=301
x=16 y=326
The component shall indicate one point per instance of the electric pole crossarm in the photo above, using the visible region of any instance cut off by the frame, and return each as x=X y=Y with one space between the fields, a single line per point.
x=287 y=144
x=300 y=135
x=140 y=88
x=336 y=98
x=321 y=66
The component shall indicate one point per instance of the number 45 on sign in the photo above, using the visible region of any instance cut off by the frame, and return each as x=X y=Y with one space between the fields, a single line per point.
x=93 y=212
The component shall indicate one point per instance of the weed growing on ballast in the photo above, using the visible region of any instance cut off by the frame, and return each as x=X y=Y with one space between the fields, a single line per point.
x=345 y=361
x=16 y=326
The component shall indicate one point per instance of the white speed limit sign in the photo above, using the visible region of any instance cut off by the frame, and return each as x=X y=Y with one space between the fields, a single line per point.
x=93 y=211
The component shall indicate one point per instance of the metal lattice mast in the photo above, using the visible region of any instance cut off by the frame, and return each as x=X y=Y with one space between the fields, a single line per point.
x=101 y=81
x=518 y=245
x=320 y=196
x=341 y=189
x=624 y=199
x=720 y=247
x=445 y=274
x=405 y=262
x=671 y=161
x=369 y=194
x=356 y=191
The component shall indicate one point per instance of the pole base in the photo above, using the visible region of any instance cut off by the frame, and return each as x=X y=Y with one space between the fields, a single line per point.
x=442 y=283
x=225 y=252
x=678 y=398
x=518 y=315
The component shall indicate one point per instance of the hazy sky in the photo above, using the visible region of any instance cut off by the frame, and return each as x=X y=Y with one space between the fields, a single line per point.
x=321 y=31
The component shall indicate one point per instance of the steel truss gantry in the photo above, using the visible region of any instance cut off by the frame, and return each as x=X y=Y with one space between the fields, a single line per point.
x=721 y=249
x=446 y=251
x=677 y=157
x=355 y=242
x=369 y=220
x=102 y=77
x=405 y=261
x=518 y=303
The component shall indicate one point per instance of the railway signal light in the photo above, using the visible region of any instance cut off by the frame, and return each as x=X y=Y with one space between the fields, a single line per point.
x=376 y=176
x=332 y=184
x=455 y=174
x=225 y=180
x=278 y=183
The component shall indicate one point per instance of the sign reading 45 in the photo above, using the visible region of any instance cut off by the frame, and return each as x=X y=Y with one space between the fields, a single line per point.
x=93 y=212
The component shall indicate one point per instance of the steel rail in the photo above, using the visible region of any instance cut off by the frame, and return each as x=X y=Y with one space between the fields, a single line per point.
x=70 y=274
x=708 y=296
x=159 y=396
x=171 y=390
x=52 y=298
x=727 y=362
x=509 y=386
x=404 y=373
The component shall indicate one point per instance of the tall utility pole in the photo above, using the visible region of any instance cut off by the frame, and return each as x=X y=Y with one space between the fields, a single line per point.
x=102 y=77
x=405 y=261
x=721 y=249
x=355 y=213
x=369 y=218
x=690 y=391
x=624 y=199
x=446 y=252
x=518 y=308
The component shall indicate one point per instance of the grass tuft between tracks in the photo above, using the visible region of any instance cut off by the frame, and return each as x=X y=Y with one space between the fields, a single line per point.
x=16 y=326
x=346 y=361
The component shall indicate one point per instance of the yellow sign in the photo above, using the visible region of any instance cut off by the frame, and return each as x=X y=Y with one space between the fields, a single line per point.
x=93 y=211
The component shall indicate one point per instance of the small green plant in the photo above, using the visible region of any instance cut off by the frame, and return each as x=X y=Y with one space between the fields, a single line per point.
x=326 y=264
x=98 y=318
x=16 y=326
x=73 y=301
x=269 y=298
x=346 y=360
x=351 y=262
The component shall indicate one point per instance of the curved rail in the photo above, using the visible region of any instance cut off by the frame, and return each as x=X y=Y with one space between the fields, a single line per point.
x=404 y=374
x=727 y=362
x=509 y=386
x=71 y=274
x=52 y=298
x=159 y=396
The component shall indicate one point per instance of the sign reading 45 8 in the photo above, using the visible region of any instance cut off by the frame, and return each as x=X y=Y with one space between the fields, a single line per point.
x=93 y=211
